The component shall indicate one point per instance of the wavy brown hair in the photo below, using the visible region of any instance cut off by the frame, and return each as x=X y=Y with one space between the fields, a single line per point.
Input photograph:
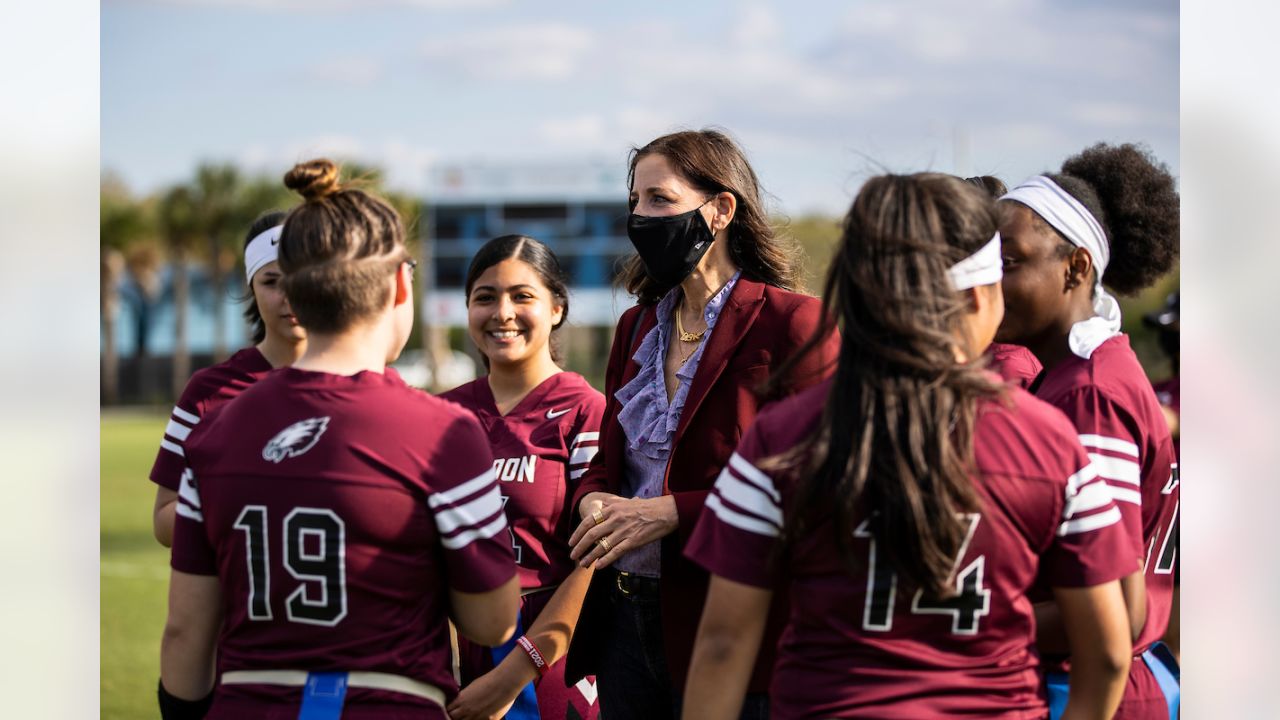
x=337 y=249
x=710 y=161
x=895 y=439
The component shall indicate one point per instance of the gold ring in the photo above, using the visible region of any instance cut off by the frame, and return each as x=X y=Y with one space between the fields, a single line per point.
x=604 y=543
x=597 y=515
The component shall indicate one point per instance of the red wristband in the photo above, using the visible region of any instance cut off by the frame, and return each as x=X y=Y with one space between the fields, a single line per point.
x=532 y=650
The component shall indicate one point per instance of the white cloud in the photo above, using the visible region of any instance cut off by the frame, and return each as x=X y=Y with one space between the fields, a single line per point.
x=813 y=92
x=323 y=5
x=756 y=25
x=541 y=51
x=358 y=71
x=1117 y=115
x=587 y=130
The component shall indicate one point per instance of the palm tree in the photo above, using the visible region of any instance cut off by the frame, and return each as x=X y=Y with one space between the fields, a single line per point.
x=180 y=226
x=123 y=224
x=216 y=187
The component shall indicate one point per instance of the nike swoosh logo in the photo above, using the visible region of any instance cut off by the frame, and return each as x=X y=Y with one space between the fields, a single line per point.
x=552 y=414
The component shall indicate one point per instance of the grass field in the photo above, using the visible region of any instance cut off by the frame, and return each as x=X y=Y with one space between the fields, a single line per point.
x=134 y=567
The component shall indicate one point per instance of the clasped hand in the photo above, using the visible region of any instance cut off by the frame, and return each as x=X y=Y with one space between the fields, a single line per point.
x=613 y=526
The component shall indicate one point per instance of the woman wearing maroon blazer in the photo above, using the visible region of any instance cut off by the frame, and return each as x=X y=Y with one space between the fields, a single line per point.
x=717 y=312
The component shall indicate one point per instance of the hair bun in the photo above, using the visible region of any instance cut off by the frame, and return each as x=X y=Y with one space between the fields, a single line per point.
x=313 y=179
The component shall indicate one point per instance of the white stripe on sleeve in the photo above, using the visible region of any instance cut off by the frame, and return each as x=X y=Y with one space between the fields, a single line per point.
x=185 y=416
x=584 y=437
x=1089 y=522
x=455 y=494
x=172 y=447
x=463 y=539
x=575 y=474
x=1084 y=475
x=740 y=521
x=470 y=514
x=187 y=512
x=1091 y=497
x=1120 y=469
x=1104 y=442
x=177 y=430
x=748 y=497
x=752 y=474
x=582 y=455
x=1125 y=495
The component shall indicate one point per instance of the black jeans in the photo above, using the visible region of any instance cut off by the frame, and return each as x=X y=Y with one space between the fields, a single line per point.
x=633 y=679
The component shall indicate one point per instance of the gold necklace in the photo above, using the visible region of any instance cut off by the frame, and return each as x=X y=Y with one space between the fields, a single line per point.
x=685 y=359
x=687 y=336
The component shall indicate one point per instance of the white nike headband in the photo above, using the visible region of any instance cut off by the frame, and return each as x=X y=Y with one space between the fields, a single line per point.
x=984 y=267
x=1075 y=223
x=262 y=249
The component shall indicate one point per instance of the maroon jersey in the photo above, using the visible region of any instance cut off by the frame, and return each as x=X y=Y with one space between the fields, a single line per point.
x=1014 y=363
x=854 y=645
x=206 y=390
x=540 y=449
x=337 y=512
x=1113 y=408
x=1169 y=394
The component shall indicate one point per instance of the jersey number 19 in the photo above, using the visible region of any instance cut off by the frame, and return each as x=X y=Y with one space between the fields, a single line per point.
x=321 y=569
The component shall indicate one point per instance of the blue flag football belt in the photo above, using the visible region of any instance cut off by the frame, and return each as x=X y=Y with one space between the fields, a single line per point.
x=324 y=693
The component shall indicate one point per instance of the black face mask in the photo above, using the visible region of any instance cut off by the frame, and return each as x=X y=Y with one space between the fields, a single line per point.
x=671 y=246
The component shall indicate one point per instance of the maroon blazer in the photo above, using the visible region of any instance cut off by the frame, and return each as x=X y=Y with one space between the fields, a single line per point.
x=759 y=327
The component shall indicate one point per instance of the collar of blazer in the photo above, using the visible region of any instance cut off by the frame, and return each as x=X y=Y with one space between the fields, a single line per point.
x=739 y=313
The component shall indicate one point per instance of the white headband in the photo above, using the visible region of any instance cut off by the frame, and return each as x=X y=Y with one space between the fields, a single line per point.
x=1075 y=223
x=984 y=267
x=261 y=250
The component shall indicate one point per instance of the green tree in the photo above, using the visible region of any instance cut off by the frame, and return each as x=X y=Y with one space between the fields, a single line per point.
x=215 y=195
x=180 y=226
x=818 y=236
x=124 y=226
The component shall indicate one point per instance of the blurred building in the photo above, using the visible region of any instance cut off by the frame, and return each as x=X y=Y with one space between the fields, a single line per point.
x=578 y=210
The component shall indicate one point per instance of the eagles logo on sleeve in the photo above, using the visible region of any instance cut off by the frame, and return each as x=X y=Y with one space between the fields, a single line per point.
x=295 y=439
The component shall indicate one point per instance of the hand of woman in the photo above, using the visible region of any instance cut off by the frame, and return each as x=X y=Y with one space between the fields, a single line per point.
x=618 y=525
x=491 y=695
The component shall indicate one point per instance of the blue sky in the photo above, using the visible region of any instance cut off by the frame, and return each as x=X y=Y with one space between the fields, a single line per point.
x=821 y=94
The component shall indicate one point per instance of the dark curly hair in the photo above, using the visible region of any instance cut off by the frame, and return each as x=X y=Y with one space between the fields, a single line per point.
x=1133 y=197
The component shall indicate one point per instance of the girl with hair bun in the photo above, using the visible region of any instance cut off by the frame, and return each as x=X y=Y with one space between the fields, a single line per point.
x=905 y=506
x=1108 y=220
x=332 y=520
x=278 y=340
x=544 y=427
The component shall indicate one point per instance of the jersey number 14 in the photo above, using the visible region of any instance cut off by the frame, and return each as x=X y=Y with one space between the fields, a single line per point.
x=967 y=607
x=320 y=597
